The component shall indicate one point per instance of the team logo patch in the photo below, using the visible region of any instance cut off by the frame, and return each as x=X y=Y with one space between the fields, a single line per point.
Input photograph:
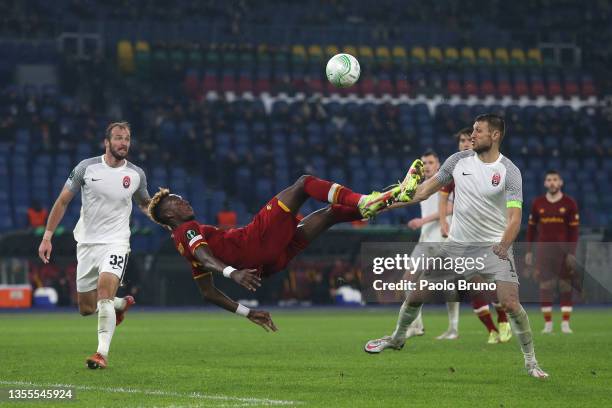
x=126 y=181
x=191 y=234
x=541 y=211
x=495 y=179
x=562 y=210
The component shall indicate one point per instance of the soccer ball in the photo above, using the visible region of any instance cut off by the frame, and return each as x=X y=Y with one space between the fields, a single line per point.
x=342 y=70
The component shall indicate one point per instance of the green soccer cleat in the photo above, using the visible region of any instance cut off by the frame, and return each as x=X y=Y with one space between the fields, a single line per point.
x=493 y=337
x=372 y=203
x=405 y=191
x=505 y=332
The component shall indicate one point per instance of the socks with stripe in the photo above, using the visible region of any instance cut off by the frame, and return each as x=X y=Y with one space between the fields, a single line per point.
x=333 y=193
x=546 y=304
x=502 y=317
x=565 y=299
x=106 y=325
x=481 y=308
x=343 y=213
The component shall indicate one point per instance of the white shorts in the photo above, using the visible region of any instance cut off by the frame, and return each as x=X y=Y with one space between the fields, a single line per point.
x=93 y=259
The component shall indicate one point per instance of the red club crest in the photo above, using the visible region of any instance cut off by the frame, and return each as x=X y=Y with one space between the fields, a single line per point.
x=126 y=182
x=495 y=179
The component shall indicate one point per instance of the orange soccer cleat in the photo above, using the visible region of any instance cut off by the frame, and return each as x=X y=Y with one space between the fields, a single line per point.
x=97 y=360
x=129 y=301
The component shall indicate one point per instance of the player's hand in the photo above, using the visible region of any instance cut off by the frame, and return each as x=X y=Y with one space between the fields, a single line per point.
x=444 y=229
x=501 y=251
x=249 y=278
x=263 y=319
x=44 y=250
x=529 y=258
x=415 y=223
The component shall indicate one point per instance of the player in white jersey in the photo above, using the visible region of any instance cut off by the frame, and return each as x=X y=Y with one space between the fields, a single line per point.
x=107 y=184
x=486 y=220
x=430 y=234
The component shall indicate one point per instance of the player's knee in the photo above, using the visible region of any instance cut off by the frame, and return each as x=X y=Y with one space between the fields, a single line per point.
x=511 y=305
x=301 y=181
x=86 y=310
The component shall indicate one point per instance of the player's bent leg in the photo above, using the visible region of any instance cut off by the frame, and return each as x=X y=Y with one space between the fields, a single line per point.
x=322 y=190
x=507 y=293
x=87 y=302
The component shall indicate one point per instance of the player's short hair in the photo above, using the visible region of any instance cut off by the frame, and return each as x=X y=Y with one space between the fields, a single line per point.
x=464 y=131
x=494 y=121
x=430 y=152
x=155 y=204
x=552 y=172
x=111 y=126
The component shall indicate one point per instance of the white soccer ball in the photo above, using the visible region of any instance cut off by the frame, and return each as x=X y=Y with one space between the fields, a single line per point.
x=342 y=70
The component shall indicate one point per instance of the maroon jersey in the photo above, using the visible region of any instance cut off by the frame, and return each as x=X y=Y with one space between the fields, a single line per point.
x=553 y=222
x=268 y=243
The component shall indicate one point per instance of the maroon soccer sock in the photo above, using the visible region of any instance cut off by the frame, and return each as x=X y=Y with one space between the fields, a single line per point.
x=343 y=213
x=546 y=304
x=481 y=308
x=566 y=305
x=333 y=193
x=501 y=313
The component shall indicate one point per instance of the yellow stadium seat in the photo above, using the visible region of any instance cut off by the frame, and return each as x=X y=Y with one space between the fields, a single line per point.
x=366 y=52
x=534 y=56
x=485 y=55
x=382 y=53
x=399 y=52
x=125 y=56
x=298 y=50
x=435 y=54
x=315 y=52
x=468 y=55
x=501 y=56
x=350 y=49
x=517 y=55
x=451 y=54
x=418 y=55
x=331 y=50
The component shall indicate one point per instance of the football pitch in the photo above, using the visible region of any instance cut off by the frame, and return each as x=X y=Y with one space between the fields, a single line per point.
x=205 y=358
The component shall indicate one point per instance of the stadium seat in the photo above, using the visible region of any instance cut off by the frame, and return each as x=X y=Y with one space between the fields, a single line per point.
x=468 y=56
x=534 y=56
x=451 y=55
x=417 y=55
x=517 y=56
x=501 y=56
x=434 y=55
x=125 y=56
x=485 y=56
x=399 y=56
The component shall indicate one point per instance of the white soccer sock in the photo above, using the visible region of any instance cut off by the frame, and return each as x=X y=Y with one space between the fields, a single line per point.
x=453 y=316
x=119 y=303
x=522 y=330
x=106 y=325
x=406 y=316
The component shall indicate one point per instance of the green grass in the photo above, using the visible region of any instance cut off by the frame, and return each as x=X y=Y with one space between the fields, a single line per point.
x=316 y=359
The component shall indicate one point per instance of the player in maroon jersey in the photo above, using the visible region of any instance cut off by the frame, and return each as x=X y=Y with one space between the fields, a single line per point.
x=480 y=300
x=274 y=236
x=553 y=225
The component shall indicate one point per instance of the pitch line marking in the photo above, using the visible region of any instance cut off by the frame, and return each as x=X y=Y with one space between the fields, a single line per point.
x=127 y=390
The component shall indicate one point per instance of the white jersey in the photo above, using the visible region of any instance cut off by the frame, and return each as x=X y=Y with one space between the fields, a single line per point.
x=430 y=232
x=106 y=196
x=483 y=192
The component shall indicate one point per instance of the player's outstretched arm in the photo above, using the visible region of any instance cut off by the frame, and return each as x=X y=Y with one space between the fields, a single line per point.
x=55 y=217
x=212 y=294
x=249 y=278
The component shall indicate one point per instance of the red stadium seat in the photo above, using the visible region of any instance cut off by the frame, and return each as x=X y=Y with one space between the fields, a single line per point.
x=402 y=87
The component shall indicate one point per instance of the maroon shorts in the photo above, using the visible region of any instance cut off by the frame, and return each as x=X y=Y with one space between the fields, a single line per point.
x=271 y=239
x=550 y=262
